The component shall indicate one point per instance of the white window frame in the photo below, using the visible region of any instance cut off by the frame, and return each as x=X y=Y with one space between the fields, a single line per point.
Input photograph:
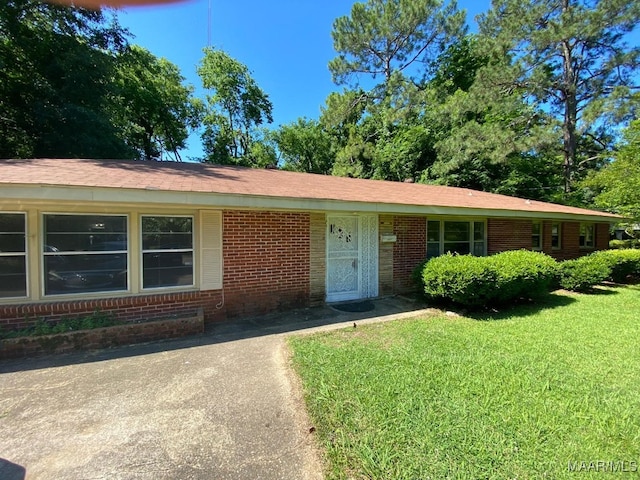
x=583 y=243
x=43 y=254
x=24 y=254
x=472 y=223
x=192 y=250
x=540 y=235
x=559 y=235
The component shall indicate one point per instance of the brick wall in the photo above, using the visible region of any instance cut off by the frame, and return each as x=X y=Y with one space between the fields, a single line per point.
x=385 y=256
x=602 y=236
x=128 y=309
x=409 y=250
x=318 y=265
x=508 y=234
x=266 y=261
x=569 y=241
x=102 y=337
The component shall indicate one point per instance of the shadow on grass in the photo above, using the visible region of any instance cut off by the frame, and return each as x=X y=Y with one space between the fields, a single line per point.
x=524 y=308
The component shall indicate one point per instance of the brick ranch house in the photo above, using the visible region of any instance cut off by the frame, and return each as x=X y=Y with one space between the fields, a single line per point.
x=152 y=240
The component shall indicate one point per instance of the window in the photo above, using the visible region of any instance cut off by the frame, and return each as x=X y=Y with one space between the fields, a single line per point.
x=167 y=251
x=433 y=239
x=587 y=235
x=536 y=235
x=461 y=237
x=84 y=253
x=13 y=258
x=556 y=233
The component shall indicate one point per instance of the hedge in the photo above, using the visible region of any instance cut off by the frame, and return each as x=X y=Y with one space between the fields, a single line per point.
x=584 y=273
x=507 y=276
x=476 y=281
x=624 y=264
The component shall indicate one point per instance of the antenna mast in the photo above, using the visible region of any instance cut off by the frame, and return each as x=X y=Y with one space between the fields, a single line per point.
x=209 y=25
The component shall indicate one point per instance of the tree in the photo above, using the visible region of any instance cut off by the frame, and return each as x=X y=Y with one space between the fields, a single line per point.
x=56 y=65
x=618 y=184
x=305 y=147
x=381 y=37
x=236 y=107
x=568 y=55
x=152 y=108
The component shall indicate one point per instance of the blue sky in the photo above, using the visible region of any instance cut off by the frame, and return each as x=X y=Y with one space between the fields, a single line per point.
x=286 y=44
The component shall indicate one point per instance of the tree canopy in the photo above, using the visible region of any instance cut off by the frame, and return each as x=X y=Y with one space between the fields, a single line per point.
x=569 y=57
x=153 y=109
x=235 y=108
x=531 y=106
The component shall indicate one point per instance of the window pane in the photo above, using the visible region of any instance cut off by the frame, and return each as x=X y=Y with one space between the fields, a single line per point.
x=586 y=235
x=555 y=235
x=433 y=231
x=12 y=232
x=167 y=233
x=535 y=228
x=85 y=273
x=535 y=241
x=456 y=231
x=433 y=250
x=167 y=269
x=478 y=249
x=460 y=247
x=478 y=231
x=82 y=233
x=13 y=276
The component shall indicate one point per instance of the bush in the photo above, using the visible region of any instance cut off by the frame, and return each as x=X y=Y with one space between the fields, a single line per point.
x=462 y=279
x=622 y=244
x=624 y=264
x=522 y=273
x=584 y=273
x=477 y=281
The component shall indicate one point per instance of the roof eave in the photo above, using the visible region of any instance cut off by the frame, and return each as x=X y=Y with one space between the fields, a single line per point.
x=46 y=194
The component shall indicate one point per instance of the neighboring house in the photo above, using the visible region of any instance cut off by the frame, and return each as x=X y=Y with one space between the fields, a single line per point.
x=159 y=239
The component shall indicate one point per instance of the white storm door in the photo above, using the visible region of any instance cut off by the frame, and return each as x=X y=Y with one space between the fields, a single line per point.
x=342 y=258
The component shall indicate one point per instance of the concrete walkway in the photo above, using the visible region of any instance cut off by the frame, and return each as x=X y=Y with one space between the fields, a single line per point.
x=223 y=405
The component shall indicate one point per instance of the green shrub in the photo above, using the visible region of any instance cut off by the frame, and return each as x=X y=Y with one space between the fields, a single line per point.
x=624 y=264
x=477 y=281
x=622 y=244
x=582 y=274
x=462 y=279
x=522 y=274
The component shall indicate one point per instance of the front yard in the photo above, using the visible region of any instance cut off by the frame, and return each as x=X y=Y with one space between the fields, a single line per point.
x=541 y=391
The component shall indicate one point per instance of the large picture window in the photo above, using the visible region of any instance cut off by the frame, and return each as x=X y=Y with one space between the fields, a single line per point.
x=462 y=237
x=167 y=251
x=84 y=253
x=13 y=264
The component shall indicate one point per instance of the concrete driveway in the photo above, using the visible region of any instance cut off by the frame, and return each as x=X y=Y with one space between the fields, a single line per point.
x=219 y=406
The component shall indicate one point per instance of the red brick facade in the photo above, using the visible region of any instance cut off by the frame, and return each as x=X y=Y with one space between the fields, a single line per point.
x=602 y=236
x=507 y=234
x=276 y=260
x=504 y=234
x=409 y=250
x=266 y=261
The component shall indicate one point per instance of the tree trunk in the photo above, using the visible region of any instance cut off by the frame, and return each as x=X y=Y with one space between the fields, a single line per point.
x=570 y=109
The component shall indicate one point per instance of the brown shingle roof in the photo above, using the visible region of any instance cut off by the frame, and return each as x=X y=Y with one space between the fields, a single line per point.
x=206 y=178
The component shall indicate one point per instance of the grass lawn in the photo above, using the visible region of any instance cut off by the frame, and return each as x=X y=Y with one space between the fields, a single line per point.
x=521 y=394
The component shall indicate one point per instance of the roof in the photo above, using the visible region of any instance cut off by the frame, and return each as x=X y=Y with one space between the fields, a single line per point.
x=207 y=184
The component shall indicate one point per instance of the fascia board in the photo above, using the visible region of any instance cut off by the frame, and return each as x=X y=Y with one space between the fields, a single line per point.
x=47 y=194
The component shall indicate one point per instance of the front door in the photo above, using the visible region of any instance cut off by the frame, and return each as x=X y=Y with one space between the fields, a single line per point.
x=352 y=257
